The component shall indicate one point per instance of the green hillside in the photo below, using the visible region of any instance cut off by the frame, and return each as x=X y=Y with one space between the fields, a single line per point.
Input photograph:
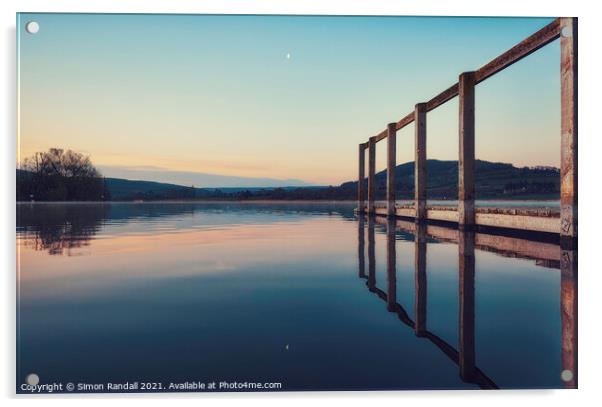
x=492 y=180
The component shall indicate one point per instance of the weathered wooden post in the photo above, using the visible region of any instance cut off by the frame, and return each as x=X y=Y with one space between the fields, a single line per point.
x=568 y=198
x=466 y=161
x=371 y=170
x=391 y=266
x=420 y=162
x=391 y=164
x=568 y=136
x=420 y=279
x=371 y=255
x=568 y=316
x=467 y=305
x=361 y=180
x=361 y=259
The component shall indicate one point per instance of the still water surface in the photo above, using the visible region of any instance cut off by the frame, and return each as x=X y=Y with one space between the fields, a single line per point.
x=301 y=294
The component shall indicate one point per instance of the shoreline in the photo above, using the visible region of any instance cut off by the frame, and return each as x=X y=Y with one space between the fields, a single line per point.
x=264 y=201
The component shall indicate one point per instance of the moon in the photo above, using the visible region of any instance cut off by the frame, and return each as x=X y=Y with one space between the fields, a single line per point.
x=288 y=55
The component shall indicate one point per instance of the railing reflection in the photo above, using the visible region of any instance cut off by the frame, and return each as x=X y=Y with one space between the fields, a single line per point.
x=391 y=266
x=568 y=316
x=420 y=279
x=466 y=263
x=371 y=255
x=465 y=355
x=360 y=248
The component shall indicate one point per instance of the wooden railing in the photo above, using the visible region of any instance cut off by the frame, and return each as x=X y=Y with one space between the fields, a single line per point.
x=564 y=28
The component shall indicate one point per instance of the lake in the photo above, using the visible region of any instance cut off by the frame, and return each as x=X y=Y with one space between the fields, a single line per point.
x=302 y=294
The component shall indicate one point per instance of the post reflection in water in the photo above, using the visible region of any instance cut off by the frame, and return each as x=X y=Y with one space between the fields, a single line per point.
x=420 y=278
x=391 y=266
x=371 y=254
x=568 y=316
x=360 y=248
x=466 y=267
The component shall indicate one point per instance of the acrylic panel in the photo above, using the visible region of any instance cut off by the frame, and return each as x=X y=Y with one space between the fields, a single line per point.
x=295 y=203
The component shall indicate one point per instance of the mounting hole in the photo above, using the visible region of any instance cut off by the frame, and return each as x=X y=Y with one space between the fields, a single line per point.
x=32 y=379
x=32 y=27
x=566 y=375
x=566 y=32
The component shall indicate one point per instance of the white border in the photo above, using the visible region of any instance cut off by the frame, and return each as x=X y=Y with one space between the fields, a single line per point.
x=589 y=180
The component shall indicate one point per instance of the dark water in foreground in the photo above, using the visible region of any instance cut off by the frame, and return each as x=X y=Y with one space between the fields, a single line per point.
x=299 y=294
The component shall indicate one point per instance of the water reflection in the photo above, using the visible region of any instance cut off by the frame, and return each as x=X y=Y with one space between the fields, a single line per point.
x=466 y=340
x=371 y=255
x=420 y=279
x=391 y=267
x=361 y=252
x=246 y=280
x=59 y=229
x=568 y=314
x=465 y=354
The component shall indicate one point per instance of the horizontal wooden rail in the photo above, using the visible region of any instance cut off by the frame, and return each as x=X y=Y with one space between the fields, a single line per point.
x=405 y=121
x=441 y=98
x=526 y=47
x=540 y=39
x=380 y=136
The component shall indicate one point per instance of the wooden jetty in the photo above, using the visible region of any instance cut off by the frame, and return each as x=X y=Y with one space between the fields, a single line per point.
x=563 y=223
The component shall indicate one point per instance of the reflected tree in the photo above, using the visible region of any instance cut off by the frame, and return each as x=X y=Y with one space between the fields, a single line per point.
x=59 y=228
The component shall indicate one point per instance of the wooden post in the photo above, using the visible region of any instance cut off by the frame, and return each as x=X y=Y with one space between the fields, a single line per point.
x=420 y=279
x=420 y=162
x=371 y=170
x=467 y=304
x=391 y=266
x=361 y=259
x=568 y=316
x=371 y=255
x=466 y=162
x=391 y=164
x=361 y=180
x=568 y=134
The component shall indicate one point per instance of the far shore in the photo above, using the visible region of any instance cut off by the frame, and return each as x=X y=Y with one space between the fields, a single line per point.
x=280 y=201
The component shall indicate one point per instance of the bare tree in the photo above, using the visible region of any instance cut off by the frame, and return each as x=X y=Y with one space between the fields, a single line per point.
x=62 y=175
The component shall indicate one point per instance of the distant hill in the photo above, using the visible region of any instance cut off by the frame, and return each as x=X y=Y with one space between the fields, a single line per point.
x=200 y=179
x=123 y=189
x=493 y=181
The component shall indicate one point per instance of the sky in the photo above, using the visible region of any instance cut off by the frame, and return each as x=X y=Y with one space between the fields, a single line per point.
x=274 y=97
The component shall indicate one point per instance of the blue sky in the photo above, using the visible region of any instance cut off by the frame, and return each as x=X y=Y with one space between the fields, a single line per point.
x=286 y=97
